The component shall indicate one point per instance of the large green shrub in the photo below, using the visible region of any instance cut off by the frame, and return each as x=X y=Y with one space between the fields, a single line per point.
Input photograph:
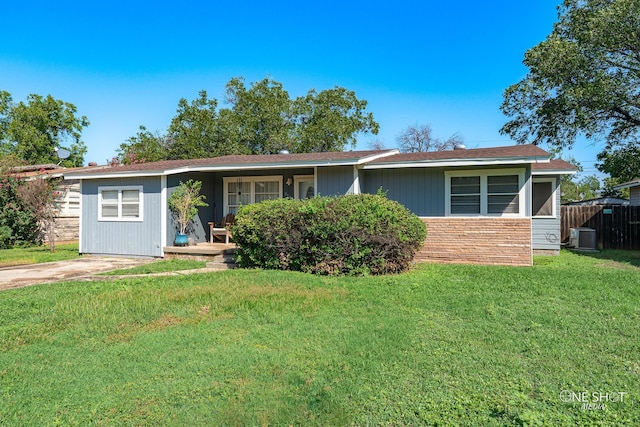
x=18 y=226
x=347 y=235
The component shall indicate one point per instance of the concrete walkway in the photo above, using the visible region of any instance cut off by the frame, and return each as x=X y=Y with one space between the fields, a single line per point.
x=77 y=269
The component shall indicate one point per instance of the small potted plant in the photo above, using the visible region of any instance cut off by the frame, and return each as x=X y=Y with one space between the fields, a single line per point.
x=184 y=203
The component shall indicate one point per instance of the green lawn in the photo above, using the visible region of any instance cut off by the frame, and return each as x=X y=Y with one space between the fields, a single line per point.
x=161 y=266
x=441 y=345
x=37 y=254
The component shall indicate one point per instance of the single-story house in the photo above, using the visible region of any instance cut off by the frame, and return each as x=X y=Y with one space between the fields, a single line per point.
x=634 y=191
x=486 y=205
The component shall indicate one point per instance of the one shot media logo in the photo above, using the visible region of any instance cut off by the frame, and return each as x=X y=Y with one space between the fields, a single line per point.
x=596 y=400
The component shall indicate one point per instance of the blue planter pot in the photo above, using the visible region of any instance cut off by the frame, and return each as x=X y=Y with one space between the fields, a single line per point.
x=181 y=240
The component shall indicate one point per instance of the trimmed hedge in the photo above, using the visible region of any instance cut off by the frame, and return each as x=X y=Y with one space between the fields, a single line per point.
x=347 y=235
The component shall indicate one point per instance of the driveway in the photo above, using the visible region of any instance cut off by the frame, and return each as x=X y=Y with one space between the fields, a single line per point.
x=76 y=269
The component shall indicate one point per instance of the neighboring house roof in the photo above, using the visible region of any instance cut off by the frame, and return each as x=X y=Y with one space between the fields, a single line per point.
x=235 y=162
x=630 y=184
x=554 y=167
x=514 y=154
x=31 y=172
x=600 y=201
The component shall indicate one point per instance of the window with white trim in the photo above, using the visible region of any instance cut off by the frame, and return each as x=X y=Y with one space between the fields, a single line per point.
x=487 y=193
x=120 y=203
x=543 y=198
x=245 y=190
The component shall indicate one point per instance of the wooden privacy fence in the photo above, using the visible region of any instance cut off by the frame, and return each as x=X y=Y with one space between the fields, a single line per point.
x=617 y=227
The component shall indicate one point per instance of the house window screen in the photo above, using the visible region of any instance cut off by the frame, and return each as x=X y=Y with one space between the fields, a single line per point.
x=239 y=194
x=247 y=190
x=465 y=195
x=109 y=207
x=503 y=194
x=542 y=204
x=120 y=204
x=490 y=192
x=130 y=203
x=266 y=190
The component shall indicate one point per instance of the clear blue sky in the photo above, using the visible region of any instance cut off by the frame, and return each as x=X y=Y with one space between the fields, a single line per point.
x=125 y=64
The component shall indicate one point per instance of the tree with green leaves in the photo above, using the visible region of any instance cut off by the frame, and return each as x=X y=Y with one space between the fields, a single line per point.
x=261 y=118
x=32 y=130
x=145 y=146
x=622 y=164
x=584 y=79
x=18 y=224
x=195 y=130
x=330 y=120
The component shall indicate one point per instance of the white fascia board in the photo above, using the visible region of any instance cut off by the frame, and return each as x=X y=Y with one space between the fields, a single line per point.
x=554 y=172
x=227 y=167
x=114 y=175
x=457 y=162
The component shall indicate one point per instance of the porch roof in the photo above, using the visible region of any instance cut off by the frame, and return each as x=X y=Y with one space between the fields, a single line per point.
x=234 y=162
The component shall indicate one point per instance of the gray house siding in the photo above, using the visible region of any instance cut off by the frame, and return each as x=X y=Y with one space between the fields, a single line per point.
x=141 y=238
x=421 y=190
x=199 y=229
x=334 y=180
x=545 y=232
x=212 y=188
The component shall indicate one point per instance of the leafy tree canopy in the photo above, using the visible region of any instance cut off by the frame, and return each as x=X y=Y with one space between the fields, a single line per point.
x=584 y=78
x=623 y=164
x=261 y=118
x=145 y=146
x=32 y=130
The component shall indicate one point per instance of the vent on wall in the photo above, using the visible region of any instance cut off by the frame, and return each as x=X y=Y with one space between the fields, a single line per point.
x=582 y=238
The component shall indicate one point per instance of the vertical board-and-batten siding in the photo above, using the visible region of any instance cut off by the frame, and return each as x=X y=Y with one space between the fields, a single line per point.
x=421 y=190
x=334 y=180
x=545 y=232
x=139 y=238
x=499 y=241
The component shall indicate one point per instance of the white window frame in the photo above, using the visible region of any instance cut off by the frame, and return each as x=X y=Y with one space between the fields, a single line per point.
x=297 y=179
x=120 y=189
x=484 y=197
x=252 y=180
x=554 y=194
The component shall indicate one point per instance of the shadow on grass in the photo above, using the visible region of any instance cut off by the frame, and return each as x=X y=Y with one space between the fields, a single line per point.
x=631 y=258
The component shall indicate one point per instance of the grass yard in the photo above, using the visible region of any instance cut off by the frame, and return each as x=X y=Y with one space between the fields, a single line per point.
x=441 y=345
x=161 y=266
x=37 y=255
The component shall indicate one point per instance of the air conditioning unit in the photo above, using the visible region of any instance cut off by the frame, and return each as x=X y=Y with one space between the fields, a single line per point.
x=582 y=238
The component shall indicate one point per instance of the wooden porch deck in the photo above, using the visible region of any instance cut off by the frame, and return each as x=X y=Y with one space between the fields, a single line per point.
x=200 y=251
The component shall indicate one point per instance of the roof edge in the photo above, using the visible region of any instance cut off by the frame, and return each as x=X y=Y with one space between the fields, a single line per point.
x=516 y=160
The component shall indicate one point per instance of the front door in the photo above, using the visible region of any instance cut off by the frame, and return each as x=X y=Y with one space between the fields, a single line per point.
x=303 y=187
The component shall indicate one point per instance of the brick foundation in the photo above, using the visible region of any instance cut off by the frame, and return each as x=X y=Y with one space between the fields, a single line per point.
x=499 y=241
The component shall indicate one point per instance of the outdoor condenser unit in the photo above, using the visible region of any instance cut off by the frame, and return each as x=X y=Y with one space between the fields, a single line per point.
x=582 y=237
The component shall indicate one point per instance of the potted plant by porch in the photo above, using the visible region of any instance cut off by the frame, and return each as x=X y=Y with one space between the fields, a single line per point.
x=184 y=203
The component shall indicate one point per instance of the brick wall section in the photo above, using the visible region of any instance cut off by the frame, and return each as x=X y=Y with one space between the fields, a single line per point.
x=498 y=241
